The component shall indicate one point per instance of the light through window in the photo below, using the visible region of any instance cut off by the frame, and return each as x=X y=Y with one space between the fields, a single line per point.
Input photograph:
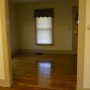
x=44 y=30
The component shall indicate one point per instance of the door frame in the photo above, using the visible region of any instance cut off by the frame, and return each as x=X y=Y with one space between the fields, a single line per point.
x=81 y=42
x=4 y=21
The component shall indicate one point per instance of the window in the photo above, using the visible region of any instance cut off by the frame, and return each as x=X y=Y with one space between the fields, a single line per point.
x=44 y=26
x=44 y=30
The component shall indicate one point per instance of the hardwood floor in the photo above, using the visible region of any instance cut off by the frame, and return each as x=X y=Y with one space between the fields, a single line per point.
x=44 y=72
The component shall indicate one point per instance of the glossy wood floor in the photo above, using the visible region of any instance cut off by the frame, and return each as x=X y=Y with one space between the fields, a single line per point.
x=44 y=72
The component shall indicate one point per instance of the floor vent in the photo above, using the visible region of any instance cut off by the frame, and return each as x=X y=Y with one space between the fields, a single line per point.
x=39 y=53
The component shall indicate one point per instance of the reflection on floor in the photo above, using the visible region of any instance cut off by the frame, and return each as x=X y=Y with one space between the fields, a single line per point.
x=44 y=72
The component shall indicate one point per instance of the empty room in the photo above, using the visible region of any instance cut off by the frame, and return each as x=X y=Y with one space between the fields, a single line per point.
x=43 y=36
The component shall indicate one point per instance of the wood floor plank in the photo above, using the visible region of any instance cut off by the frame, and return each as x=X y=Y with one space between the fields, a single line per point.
x=44 y=72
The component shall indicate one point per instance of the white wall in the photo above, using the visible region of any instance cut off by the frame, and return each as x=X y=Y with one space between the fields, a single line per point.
x=62 y=24
x=13 y=28
x=87 y=48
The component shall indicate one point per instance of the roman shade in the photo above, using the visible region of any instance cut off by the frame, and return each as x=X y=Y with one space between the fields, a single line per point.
x=44 y=12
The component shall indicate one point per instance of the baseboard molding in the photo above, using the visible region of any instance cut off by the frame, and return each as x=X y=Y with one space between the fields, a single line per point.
x=86 y=89
x=45 y=51
x=14 y=52
x=3 y=83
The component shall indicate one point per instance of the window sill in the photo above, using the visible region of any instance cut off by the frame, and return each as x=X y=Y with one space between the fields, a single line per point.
x=44 y=44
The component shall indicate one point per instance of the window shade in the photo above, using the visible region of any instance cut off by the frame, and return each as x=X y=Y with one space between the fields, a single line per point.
x=44 y=12
x=44 y=30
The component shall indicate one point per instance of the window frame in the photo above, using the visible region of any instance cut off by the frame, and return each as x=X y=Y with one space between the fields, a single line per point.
x=52 y=34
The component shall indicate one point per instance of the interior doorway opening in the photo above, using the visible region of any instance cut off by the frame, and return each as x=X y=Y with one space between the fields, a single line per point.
x=36 y=56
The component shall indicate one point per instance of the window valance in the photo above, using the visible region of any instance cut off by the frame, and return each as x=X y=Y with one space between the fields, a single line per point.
x=44 y=12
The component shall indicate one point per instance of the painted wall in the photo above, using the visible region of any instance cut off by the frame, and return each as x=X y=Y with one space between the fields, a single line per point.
x=13 y=27
x=87 y=47
x=62 y=24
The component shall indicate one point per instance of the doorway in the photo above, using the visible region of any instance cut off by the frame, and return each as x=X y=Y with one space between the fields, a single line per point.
x=26 y=32
x=27 y=68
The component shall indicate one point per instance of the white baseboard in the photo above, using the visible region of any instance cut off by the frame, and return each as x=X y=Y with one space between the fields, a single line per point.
x=86 y=89
x=4 y=83
x=45 y=51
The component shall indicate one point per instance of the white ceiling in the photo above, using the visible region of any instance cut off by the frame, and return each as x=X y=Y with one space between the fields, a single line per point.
x=32 y=0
